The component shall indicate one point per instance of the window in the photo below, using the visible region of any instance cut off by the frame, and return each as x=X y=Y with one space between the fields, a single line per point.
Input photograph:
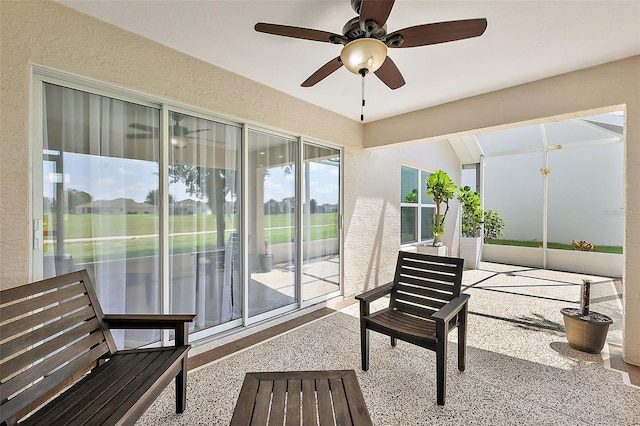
x=416 y=208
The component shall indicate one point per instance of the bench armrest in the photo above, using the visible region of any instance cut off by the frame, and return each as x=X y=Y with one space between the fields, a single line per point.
x=451 y=309
x=178 y=322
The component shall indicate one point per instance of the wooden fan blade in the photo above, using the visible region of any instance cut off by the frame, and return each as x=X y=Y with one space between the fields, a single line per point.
x=296 y=32
x=323 y=72
x=143 y=127
x=375 y=10
x=440 y=32
x=141 y=136
x=196 y=131
x=390 y=74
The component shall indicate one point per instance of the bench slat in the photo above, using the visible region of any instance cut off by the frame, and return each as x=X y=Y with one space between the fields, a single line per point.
x=27 y=322
x=15 y=405
x=16 y=310
x=27 y=290
x=31 y=356
x=36 y=336
x=49 y=365
x=68 y=405
x=132 y=401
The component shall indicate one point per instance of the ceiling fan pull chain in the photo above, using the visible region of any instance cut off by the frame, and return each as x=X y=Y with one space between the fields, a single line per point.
x=362 y=106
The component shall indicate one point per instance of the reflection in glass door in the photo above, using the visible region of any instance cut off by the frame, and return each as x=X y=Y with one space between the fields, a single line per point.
x=271 y=216
x=320 y=222
x=204 y=237
x=100 y=212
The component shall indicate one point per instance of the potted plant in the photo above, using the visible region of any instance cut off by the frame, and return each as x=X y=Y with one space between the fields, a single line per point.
x=442 y=189
x=266 y=259
x=586 y=330
x=472 y=219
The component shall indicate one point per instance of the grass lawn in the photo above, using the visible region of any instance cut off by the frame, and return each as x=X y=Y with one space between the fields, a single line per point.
x=199 y=234
x=559 y=246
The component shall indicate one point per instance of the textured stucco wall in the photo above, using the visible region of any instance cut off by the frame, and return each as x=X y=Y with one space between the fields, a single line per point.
x=611 y=84
x=49 y=34
x=372 y=209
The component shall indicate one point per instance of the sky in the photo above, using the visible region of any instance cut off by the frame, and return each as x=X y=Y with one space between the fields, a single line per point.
x=107 y=178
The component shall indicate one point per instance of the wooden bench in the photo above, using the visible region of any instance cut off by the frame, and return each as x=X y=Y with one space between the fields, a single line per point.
x=325 y=398
x=425 y=305
x=59 y=363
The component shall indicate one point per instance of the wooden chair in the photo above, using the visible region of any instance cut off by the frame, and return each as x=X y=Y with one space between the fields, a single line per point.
x=425 y=305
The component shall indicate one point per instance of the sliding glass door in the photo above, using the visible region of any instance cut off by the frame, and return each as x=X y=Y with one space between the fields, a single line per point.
x=204 y=237
x=320 y=222
x=272 y=221
x=171 y=211
x=99 y=210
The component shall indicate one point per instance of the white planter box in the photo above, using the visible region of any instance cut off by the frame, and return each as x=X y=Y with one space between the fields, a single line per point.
x=471 y=251
x=603 y=264
x=434 y=251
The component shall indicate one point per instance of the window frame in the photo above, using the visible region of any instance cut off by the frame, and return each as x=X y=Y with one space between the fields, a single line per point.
x=419 y=205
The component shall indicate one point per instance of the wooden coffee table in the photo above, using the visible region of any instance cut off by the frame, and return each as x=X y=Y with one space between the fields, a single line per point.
x=317 y=397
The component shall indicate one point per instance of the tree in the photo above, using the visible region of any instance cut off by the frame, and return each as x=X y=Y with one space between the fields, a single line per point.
x=212 y=184
x=153 y=197
x=442 y=189
x=76 y=198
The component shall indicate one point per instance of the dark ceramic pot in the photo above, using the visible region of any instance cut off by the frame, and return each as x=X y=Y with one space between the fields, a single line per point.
x=586 y=333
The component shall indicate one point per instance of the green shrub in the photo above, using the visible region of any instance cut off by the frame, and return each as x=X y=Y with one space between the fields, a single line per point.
x=493 y=225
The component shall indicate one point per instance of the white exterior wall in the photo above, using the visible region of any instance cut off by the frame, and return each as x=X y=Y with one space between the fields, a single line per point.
x=585 y=195
x=608 y=87
x=372 y=209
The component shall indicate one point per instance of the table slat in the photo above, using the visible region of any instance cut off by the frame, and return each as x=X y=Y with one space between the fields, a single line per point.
x=276 y=418
x=293 y=403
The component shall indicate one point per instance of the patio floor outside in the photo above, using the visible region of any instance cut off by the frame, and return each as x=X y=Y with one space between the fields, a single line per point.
x=520 y=369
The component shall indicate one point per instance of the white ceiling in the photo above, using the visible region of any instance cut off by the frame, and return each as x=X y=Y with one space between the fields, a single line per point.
x=524 y=41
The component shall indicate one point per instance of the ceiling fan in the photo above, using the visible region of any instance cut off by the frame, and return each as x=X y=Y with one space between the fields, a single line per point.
x=365 y=40
x=178 y=135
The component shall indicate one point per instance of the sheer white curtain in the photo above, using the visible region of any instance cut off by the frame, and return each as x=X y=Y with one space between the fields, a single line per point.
x=204 y=243
x=104 y=171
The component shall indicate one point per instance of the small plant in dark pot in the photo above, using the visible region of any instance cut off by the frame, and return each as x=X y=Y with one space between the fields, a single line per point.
x=586 y=331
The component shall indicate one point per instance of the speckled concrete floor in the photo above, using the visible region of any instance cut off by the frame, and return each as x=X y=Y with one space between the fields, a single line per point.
x=520 y=370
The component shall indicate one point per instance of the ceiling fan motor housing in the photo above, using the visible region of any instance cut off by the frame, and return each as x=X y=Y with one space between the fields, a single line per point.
x=352 y=30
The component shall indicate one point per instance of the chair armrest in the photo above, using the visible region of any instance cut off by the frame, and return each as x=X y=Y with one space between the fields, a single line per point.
x=178 y=322
x=369 y=296
x=451 y=309
x=375 y=293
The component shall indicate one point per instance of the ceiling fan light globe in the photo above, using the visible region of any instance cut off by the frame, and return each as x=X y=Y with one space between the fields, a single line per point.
x=179 y=141
x=364 y=53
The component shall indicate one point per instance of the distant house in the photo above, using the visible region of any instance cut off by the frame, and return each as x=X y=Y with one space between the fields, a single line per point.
x=188 y=206
x=116 y=206
x=327 y=208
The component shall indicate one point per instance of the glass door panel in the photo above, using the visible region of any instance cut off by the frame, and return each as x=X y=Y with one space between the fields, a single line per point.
x=204 y=231
x=271 y=219
x=320 y=221
x=100 y=168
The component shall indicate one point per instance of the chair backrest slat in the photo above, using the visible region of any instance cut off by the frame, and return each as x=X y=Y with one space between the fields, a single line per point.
x=424 y=283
